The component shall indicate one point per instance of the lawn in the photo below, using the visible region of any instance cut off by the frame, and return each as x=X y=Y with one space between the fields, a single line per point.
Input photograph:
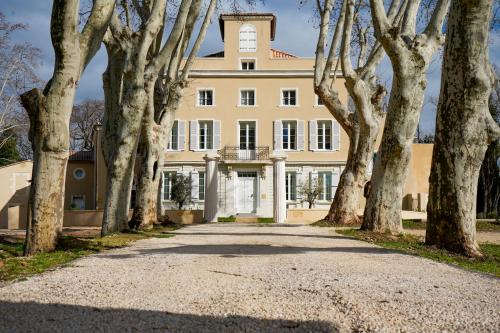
x=14 y=266
x=414 y=245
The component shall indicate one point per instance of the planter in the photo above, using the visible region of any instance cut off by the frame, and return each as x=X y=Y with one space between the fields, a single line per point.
x=184 y=216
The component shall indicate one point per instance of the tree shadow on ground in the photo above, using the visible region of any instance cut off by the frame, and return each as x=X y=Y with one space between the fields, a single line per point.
x=182 y=232
x=37 y=317
x=243 y=250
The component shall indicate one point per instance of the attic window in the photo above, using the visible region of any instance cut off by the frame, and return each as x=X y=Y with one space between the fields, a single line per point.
x=248 y=65
x=248 y=38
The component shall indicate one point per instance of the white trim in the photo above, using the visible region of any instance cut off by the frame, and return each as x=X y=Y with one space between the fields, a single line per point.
x=238 y=131
x=239 y=38
x=254 y=97
x=198 y=97
x=240 y=61
x=297 y=104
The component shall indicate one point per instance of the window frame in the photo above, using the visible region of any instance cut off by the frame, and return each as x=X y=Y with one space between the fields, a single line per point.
x=247 y=49
x=318 y=122
x=248 y=60
x=169 y=145
x=199 y=91
x=238 y=127
x=291 y=197
x=207 y=147
x=240 y=91
x=289 y=121
x=316 y=102
x=169 y=179
x=73 y=196
x=282 y=98
x=82 y=177
x=201 y=189
x=322 y=197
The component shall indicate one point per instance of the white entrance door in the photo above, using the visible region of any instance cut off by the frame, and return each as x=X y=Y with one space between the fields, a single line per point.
x=246 y=192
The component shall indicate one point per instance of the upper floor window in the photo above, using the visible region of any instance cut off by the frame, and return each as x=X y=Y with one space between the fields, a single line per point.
x=325 y=135
x=248 y=38
x=173 y=144
x=206 y=135
x=319 y=101
x=205 y=97
x=247 y=97
x=289 y=135
x=177 y=136
x=248 y=65
x=289 y=97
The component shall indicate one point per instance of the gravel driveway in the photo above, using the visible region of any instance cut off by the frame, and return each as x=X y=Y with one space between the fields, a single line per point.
x=244 y=278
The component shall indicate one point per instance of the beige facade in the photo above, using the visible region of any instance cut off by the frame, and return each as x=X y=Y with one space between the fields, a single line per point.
x=14 y=192
x=243 y=106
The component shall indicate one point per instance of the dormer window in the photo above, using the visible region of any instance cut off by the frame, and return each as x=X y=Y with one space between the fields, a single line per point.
x=248 y=38
x=248 y=64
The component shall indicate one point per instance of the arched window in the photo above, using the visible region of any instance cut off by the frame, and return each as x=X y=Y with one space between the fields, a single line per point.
x=248 y=38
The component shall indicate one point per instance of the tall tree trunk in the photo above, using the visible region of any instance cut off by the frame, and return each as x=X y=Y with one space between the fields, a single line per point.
x=383 y=207
x=464 y=128
x=50 y=112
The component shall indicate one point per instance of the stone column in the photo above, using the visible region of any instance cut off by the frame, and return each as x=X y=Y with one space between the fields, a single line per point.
x=279 y=187
x=211 y=181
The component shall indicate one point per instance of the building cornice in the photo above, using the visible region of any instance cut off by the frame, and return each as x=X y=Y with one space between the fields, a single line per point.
x=199 y=73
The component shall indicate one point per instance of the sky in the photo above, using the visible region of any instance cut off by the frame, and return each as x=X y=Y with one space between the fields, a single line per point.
x=296 y=33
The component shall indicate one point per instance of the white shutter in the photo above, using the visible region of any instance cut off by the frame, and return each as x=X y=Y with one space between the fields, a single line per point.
x=335 y=181
x=298 y=183
x=193 y=135
x=300 y=135
x=278 y=135
x=216 y=143
x=313 y=132
x=194 y=185
x=336 y=135
x=313 y=176
x=181 y=134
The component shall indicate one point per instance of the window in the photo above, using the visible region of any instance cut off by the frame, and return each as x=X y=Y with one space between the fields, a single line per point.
x=248 y=38
x=319 y=101
x=291 y=186
x=201 y=186
x=206 y=97
x=174 y=137
x=325 y=180
x=289 y=135
x=324 y=135
x=206 y=136
x=78 y=202
x=247 y=97
x=289 y=97
x=248 y=65
x=167 y=185
x=247 y=135
x=79 y=173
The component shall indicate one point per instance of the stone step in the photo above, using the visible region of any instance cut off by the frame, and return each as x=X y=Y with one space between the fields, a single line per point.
x=247 y=219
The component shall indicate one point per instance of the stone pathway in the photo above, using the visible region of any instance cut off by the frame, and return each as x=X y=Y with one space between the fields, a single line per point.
x=246 y=278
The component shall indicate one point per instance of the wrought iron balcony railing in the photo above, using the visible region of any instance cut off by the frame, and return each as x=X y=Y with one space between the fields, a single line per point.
x=233 y=153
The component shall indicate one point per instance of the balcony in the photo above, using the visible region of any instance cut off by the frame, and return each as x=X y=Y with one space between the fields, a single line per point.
x=234 y=153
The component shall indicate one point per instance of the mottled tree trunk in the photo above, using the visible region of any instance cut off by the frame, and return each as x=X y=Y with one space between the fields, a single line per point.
x=464 y=129
x=383 y=207
x=344 y=208
x=49 y=112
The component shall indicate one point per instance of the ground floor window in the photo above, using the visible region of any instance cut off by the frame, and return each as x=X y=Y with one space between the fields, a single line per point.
x=167 y=185
x=325 y=179
x=78 y=202
x=201 y=186
x=291 y=186
x=174 y=137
